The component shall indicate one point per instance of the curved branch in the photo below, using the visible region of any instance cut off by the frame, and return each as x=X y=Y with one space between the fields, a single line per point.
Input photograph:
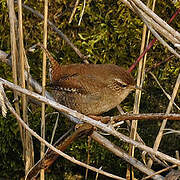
x=86 y=119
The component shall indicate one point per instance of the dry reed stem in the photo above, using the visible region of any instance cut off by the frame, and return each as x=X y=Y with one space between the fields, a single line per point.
x=140 y=80
x=45 y=32
x=29 y=152
x=13 y=33
x=155 y=17
x=157 y=23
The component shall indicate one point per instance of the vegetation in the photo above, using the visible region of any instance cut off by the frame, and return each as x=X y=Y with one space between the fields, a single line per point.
x=109 y=33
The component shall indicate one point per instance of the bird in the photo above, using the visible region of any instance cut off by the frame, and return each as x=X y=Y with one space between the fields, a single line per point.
x=90 y=89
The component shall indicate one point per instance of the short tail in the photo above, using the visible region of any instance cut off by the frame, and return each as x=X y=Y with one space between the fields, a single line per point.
x=54 y=65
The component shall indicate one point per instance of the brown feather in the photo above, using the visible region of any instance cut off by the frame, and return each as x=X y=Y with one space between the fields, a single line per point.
x=90 y=88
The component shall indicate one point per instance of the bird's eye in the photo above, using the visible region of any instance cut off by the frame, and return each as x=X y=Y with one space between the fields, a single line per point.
x=123 y=85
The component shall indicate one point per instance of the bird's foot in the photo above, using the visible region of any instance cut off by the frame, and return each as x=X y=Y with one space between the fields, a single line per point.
x=105 y=119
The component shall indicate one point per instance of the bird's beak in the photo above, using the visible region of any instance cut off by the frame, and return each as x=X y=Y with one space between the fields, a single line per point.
x=139 y=88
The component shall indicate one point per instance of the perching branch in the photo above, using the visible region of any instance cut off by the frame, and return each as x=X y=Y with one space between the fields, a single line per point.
x=86 y=119
x=149 y=116
x=43 y=107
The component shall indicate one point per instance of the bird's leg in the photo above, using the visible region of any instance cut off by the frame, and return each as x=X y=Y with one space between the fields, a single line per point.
x=105 y=119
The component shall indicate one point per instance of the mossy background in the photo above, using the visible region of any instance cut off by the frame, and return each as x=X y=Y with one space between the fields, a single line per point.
x=109 y=33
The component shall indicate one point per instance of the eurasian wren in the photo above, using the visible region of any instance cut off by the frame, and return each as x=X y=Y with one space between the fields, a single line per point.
x=90 y=89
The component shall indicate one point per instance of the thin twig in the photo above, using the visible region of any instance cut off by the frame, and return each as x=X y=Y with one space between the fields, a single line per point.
x=158 y=64
x=129 y=124
x=74 y=11
x=55 y=127
x=120 y=153
x=152 y=116
x=160 y=134
x=167 y=95
x=171 y=131
x=151 y=43
x=51 y=156
x=97 y=174
x=84 y=5
x=158 y=172
x=57 y=142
